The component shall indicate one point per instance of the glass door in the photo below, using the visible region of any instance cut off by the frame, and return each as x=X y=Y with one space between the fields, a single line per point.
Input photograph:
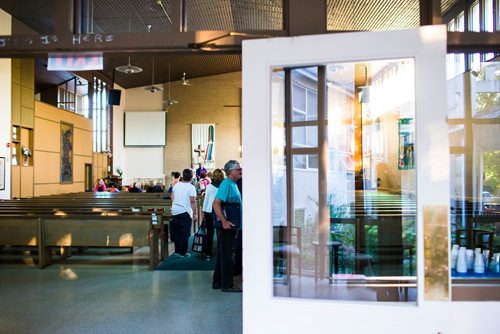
x=350 y=169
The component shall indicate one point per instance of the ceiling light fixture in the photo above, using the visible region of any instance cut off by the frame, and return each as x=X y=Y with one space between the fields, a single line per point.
x=160 y=3
x=153 y=88
x=129 y=69
x=185 y=82
x=169 y=101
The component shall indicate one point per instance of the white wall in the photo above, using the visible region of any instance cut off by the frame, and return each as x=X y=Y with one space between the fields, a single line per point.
x=212 y=99
x=5 y=104
x=136 y=162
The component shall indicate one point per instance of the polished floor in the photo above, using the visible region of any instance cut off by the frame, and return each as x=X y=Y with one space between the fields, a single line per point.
x=110 y=293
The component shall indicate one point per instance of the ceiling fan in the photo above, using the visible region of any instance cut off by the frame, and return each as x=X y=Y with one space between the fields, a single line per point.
x=153 y=88
x=129 y=69
x=169 y=101
x=185 y=82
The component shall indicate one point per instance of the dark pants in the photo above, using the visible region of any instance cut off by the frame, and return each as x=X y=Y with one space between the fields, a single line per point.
x=209 y=225
x=180 y=230
x=224 y=264
x=238 y=254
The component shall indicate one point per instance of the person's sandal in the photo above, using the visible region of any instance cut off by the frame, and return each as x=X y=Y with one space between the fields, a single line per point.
x=234 y=288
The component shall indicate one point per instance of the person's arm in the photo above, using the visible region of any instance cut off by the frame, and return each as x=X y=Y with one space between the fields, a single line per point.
x=192 y=199
x=226 y=224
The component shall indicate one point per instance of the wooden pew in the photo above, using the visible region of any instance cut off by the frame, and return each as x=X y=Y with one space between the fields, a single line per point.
x=89 y=230
x=23 y=230
x=102 y=231
x=85 y=219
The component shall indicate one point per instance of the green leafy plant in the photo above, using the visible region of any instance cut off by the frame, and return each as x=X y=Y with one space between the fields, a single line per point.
x=26 y=151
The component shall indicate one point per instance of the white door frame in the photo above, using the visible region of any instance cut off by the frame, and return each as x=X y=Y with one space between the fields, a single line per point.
x=263 y=313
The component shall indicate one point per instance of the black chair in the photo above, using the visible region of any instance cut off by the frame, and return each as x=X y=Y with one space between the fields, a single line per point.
x=333 y=251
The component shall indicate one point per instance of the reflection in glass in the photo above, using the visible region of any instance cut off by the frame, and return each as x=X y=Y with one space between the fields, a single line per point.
x=473 y=117
x=366 y=169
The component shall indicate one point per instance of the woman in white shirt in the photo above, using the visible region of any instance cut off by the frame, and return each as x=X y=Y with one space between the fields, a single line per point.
x=183 y=213
x=210 y=192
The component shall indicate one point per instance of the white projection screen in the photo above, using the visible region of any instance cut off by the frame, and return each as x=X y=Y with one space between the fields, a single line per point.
x=145 y=128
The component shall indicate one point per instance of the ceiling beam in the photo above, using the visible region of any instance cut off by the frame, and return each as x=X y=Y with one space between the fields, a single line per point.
x=304 y=17
x=470 y=42
x=191 y=42
x=63 y=17
x=430 y=12
x=199 y=42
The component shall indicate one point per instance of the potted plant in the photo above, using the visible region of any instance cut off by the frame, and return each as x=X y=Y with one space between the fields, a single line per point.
x=26 y=152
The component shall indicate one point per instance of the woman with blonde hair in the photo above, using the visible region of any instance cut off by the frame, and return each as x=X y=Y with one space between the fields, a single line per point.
x=210 y=192
x=100 y=186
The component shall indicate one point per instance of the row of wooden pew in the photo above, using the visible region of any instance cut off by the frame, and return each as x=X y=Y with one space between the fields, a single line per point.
x=86 y=220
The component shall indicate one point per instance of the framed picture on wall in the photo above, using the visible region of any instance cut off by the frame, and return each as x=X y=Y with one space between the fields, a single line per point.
x=66 y=153
x=2 y=173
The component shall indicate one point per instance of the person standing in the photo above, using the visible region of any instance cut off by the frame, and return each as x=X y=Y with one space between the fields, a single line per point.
x=210 y=192
x=200 y=170
x=183 y=213
x=228 y=193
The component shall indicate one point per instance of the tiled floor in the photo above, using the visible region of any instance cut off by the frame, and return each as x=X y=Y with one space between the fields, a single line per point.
x=111 y=294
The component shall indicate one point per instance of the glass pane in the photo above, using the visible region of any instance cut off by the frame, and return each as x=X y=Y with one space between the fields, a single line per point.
x=372 y=192
x=305 y=136
x=475 y=62
x=460 y=22
x=455 y=64
x=304 y=94
x=473 y=114
x=278 y=151
x=367 y=248
x=451 y=26
x=488 y=15
x=474 y=17
x=312 y=105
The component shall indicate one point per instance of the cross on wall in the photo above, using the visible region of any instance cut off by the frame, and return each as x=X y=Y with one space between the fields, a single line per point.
x=199 y=150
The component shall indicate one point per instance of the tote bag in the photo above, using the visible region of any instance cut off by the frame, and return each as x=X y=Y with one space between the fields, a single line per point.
x=200 y=239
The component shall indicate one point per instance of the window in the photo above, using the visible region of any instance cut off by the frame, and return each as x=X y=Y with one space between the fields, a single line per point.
x=475 y=24
x=72 y=96
x=101 y=121
x=304 y=116
x=473 y=113
x=366 y=167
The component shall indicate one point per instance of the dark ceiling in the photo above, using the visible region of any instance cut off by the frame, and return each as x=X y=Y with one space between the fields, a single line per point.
x=123 y=16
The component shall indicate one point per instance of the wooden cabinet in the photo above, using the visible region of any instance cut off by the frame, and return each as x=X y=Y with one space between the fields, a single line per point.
x=22 y=146
x=16 y=145
x=23 y=121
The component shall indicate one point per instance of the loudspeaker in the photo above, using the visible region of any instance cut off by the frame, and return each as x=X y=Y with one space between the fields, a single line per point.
x=114 y=97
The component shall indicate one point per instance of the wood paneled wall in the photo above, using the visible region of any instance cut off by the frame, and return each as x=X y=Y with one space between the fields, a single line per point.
x=23 y=97
x=47 y=150
x=100 y=166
